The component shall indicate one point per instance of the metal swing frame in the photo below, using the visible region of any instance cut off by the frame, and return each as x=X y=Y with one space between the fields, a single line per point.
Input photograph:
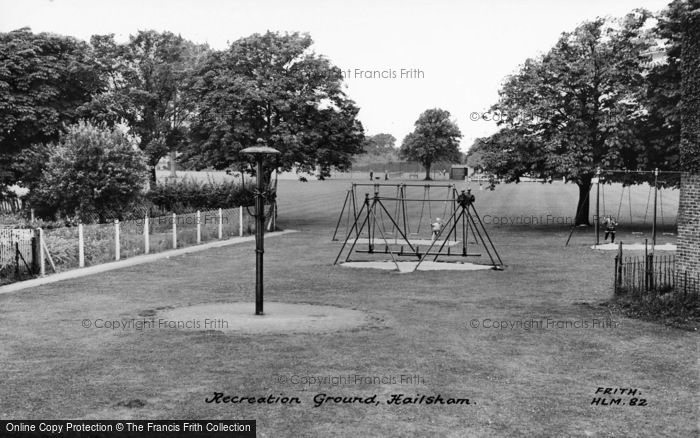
x=465 y=213
x=350 y=204
x=657 y=195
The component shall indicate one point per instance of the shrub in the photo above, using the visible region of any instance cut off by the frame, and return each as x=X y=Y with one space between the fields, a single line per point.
x=31 y=162
x=189 y=195
x=94 y=173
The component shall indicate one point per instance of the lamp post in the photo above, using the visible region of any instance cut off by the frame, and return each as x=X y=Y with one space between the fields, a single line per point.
x=259 y=152
x=656 y=192
x=597 y=206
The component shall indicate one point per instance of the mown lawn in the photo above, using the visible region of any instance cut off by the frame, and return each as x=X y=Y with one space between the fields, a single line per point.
x=520 y=382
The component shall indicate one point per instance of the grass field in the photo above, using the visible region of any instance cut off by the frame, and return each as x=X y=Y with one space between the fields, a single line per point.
x=534 y=381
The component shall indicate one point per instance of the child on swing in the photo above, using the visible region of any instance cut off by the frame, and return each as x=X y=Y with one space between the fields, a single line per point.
x=610 y=226
x=436 y=227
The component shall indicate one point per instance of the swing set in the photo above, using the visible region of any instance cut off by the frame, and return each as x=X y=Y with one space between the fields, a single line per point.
x=400 y=194
x=658 y=207
x=400 y=237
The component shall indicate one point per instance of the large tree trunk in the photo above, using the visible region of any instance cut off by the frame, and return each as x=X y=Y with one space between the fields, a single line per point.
x=584 y=202
x=153 y=174
x=427 y=171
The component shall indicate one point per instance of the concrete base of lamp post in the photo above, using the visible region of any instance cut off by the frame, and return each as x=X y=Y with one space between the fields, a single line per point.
x=278 y=318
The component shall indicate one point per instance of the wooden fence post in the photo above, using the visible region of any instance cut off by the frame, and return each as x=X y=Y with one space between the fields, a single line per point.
x=16 y=248
x=221 y=224
x=240 y=220
x=117 y=246
x=35 y=252
x=146 y=239
x=81 y=247
x=42 y=256
x=646 y=265
x=174 y=231
x=616 y=279
x=199 y=227
x=618 y=268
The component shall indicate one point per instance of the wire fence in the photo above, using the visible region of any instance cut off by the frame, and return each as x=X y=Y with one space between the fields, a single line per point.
x=17 y=257
x=66 y=248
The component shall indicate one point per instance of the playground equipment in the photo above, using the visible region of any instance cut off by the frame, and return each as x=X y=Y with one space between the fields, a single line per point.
x=600 y=197
x=259 y=153
x=400 y=194
x=374 y=216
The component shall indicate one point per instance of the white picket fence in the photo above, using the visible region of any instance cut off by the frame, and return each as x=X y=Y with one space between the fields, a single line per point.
x=11 y=205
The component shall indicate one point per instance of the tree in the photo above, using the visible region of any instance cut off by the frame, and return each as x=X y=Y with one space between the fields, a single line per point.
x=690 y=102
x=510 y=154
x=30 y=163
x=94 y=172
x=272 y=87
x=379 y=144
x=44 y=79
x=688 y=215
x=661 y=129
x=146 y=78
x=578 y=107
x=377 y=150
x=434 y=138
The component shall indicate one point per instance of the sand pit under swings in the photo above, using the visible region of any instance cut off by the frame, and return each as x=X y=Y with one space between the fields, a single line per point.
x=400 y=241
x=425 y=266
x=278 y=318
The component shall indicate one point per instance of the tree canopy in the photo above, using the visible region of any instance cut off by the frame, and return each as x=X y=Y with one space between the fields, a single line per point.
x=44 y=80
x=435 y=137
x=146 y=78
x=272 y=87
x=585 y=104
x=690 y=104
x=379 y=144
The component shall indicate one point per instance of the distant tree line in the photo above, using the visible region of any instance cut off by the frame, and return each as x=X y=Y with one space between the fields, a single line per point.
x=163 y=93
x=175 y=95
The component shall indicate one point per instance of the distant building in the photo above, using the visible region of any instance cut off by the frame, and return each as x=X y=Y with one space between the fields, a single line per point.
x=461 y=171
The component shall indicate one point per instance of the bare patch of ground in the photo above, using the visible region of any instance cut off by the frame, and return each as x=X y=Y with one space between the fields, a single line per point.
x=425 y=266
x=277 y=318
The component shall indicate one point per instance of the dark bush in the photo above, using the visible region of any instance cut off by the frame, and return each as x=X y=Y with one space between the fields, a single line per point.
x=93 y=174
x=189 y=195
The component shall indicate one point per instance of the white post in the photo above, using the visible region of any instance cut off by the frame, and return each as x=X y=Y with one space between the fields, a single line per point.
x=274 y=217
x=199 y=227
x=42 y=255
x=81 y=247
x=240 y=220
x=116 y=240
x=146 y=240
x=221 y=224
x=174 y=231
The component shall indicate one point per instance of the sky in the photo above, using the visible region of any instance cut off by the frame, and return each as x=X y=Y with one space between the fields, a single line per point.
x=400 y=58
